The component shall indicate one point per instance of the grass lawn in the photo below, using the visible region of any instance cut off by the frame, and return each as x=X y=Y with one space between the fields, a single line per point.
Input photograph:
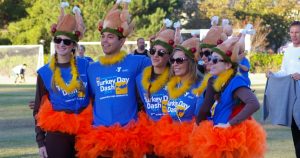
x=17 y=138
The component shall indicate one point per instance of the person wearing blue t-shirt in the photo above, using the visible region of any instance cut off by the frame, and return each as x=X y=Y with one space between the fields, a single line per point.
x=81 y=52
x=182 y=101
x=62 y=96
x=113 y=89
x=152 y=82
x=230 y=108
x=244 y=67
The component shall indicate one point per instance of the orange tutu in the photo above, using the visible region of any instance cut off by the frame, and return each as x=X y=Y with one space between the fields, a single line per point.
x=50 y=120
x=122 y=142
x=246 y=140
x=170 y=138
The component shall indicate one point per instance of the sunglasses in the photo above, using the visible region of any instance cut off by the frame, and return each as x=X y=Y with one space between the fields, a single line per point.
x=205 y=53
x=160 y=52
x=216 y=60
x=177 y=60
x=66 y=42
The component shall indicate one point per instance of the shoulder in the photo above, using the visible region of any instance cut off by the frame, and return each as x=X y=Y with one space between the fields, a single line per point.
x=137 y=58
x=81 y=61
x=92 y=65
x=238 y=81
x=43 y=69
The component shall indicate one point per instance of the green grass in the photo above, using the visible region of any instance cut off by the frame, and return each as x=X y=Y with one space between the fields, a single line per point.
x=17 y=138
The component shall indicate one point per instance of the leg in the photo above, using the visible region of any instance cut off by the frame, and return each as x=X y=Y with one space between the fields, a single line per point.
x=17 y=76
x=151 y=156
x=60 y=145
x=296 y=137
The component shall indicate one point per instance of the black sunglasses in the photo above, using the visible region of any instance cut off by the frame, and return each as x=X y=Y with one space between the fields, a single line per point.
x=205 y=53
x=177 y=60
x=160 y=52
x=215 y=60
x=66 y=42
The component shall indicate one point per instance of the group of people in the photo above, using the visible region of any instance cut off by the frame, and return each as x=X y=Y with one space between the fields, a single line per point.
x=90 y=109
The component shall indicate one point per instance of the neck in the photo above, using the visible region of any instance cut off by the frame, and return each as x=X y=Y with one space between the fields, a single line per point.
x=296 y=44
x=158 y=70
x=63 y=59
x=184 y=77
x=112 y=54
x=140 y=50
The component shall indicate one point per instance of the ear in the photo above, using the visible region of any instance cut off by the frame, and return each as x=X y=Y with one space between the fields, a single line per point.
x=122 y=40
x=228 y=66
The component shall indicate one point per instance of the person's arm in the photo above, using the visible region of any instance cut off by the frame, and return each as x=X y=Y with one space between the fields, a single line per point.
x=209 y=99
x=40 y=92
x=251 y=105
x=283 y=71
x=243 y=67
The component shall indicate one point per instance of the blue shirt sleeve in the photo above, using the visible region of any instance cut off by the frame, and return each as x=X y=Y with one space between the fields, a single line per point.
x=246 y=63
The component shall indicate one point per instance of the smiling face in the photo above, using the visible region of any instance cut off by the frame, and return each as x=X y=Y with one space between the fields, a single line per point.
x=218 y=65
x=63 y=45
x=205 y=55
x=158 y=60
x=111 y=44
x=180 y=66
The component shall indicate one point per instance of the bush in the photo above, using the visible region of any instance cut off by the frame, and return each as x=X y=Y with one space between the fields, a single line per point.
x=261 y=62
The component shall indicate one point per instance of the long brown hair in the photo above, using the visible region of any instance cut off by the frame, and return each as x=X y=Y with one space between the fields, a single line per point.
x=53 y=85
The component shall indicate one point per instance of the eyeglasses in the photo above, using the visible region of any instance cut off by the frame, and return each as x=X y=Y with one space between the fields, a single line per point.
x=177 y=60
x=205 y=53
x=66 y=42
x=160 y=52
x=215 y=60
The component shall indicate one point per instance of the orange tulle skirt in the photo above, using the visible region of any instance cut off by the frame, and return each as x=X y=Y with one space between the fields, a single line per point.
x=245 y=140
x=116 y=141
x=171 y=138
x=53 y=121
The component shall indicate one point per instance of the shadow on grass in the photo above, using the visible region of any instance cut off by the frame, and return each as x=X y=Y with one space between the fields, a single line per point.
x=22 y=156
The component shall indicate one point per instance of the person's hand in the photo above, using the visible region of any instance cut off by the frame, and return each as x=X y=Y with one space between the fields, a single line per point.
x=295 y=76
x=268 y=73
x=222 y=125
x=43 y=152
x=31 y=104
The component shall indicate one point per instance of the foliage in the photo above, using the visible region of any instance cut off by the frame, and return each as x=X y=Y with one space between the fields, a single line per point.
x=275 y=15
x=12 y=10
x=261 y=62
x=35 y=26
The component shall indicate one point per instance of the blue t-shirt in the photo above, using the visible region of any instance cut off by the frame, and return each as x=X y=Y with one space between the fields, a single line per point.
x=245 y=74
x=114 y=90
x=156 y=105
x=224 y=107
x=199 y=103
x=183 y=108
x=89 y=59
x=60 y=99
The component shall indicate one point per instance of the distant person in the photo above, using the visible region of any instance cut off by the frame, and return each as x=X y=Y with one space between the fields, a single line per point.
x=141 y=50
x=244 y=67
x=81 y=54
x=19 y=72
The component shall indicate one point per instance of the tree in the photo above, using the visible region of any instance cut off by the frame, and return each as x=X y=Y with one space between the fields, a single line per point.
x=275 y=15
x=147 y=14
